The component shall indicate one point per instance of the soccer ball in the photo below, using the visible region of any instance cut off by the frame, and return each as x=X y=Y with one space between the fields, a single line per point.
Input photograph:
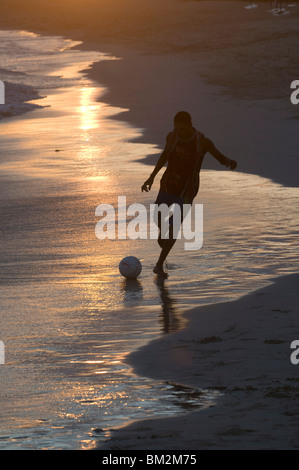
x=130 y=267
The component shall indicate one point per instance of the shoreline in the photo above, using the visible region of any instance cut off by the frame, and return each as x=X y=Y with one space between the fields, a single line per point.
x=252 y=424
x=214 y=430
x=153 y=111
x=210 y=60
x=245 y=356
x=217 y=31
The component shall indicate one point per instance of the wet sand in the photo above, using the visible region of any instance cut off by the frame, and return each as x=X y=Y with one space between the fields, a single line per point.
x=232 y=69
x=240 y=348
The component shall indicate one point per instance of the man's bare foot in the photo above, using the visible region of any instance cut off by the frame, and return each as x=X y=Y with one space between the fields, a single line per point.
x=160 y=271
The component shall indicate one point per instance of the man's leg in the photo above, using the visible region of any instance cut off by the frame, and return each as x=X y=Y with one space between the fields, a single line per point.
x=166 y=245
x=160 y=240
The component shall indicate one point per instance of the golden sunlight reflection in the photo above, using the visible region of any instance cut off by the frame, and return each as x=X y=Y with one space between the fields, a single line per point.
x=78 y=318
x=88 y=108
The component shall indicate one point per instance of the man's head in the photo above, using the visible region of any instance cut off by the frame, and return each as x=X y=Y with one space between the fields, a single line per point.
x=183 y=124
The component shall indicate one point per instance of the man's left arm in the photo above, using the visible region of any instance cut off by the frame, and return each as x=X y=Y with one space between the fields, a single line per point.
x=210 y=147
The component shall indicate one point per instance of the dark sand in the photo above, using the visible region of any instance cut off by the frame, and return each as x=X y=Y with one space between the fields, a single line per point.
x=213 y=58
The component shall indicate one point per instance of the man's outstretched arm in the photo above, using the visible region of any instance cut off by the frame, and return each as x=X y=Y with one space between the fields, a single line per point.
x=160 y=163
x=210 y=147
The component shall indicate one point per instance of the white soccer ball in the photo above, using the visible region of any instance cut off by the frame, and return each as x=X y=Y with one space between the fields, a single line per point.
x=130 y=267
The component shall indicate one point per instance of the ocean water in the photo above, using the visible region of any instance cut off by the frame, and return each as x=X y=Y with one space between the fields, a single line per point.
x=68 y=319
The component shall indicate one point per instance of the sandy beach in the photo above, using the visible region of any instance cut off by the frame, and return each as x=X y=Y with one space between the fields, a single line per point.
x=240 y=348
x=189 y=54
x=231 y=68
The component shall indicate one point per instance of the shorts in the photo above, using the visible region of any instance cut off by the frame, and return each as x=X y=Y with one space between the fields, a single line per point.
x=169 y=199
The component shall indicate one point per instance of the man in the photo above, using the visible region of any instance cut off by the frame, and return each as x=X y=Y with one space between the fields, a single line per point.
x=184 y=151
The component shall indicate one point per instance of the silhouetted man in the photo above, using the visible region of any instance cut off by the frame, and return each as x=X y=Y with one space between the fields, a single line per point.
x=184 y=151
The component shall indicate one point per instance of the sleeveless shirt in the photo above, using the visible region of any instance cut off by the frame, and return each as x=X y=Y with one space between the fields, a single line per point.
x=181 y=177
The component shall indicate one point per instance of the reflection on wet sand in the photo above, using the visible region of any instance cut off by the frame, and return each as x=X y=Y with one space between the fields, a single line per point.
x=69 y=317
x=170 y=318
x=133 y=291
